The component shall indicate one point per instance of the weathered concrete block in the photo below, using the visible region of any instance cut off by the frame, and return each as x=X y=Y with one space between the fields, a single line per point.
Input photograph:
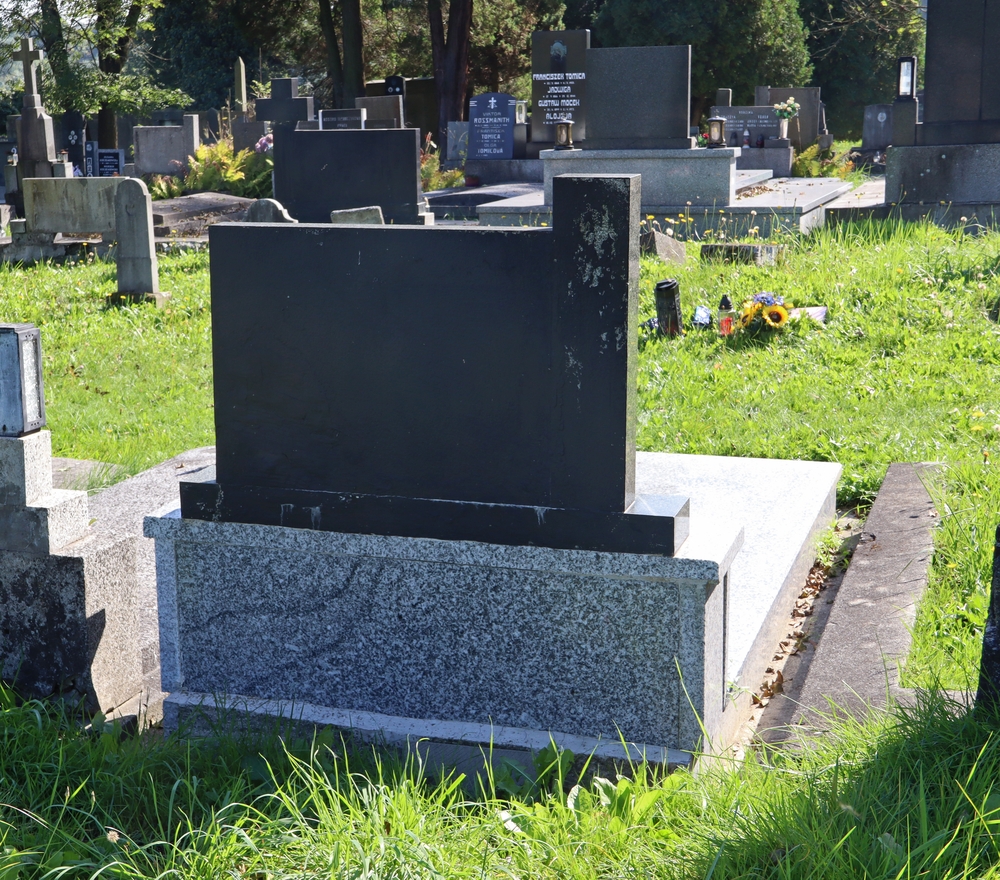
x=138 y=274
x=268 y=211
x=371 y=215
x=84 y=205
x=165 y=149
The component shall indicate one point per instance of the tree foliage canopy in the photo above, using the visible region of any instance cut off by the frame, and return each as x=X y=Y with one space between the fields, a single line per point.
x=736 y=44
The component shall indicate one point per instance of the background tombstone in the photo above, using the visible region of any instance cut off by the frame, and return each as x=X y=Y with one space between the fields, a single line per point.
x=759 y=121
x=638 y=97
x=36 y=139
x=382 y=111
x=558 y=83
x=245 y=133
x=334 y=120
x=110 y=163
x=491 y=126
x=285 y=104
x=395 y=85
x=311 y=177
x=806 y=128
x=876 y=135
x=73 y=128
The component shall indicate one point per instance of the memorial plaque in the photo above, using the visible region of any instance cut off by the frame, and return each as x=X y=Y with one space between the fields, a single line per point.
x=73 y=130
x=110 y=163
x=491 y=126
x=558 y=82
x=760 y=121
x=332 y=120
x=90 y=159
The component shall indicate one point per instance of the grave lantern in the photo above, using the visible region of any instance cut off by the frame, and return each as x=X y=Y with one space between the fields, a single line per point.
x=521 y=113
x=22 y=400
x=716 y=131
x=906 y=81
x=564 y=134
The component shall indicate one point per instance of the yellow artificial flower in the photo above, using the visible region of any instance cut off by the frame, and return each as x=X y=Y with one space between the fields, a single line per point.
x=776 y=316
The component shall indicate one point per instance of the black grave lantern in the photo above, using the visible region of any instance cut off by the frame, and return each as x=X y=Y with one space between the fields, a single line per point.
x=22 y=399
x=717 y=131
x=906 y=78
x=564 y=134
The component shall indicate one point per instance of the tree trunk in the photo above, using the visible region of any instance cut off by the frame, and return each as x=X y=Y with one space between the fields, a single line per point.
x=354 y=65
x=54 y=41
x=451 y=62
x=333 y=66
x=114 y=40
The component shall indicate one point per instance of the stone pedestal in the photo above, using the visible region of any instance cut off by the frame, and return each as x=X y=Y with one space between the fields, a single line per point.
x=959 y=173
x=589 y=644
x=68 y=610
x=699 y=177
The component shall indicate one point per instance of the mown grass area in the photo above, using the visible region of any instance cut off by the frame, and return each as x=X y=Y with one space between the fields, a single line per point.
x=903 y=795
x=126 y=385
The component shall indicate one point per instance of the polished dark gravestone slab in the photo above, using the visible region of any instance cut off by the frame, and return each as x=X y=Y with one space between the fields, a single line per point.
x=456 y=383
x=491 y=126
x=558 y=83
x=316 y=172
x=758 y=121
x=962 y=73
x=285 y=104
x=638 y=97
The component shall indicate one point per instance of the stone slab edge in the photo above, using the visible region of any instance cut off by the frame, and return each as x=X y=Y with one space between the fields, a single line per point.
x=456 y=742
x=855 y=664
x=773 y=629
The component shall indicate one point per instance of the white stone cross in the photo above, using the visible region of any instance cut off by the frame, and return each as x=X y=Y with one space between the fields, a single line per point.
x=29 y=57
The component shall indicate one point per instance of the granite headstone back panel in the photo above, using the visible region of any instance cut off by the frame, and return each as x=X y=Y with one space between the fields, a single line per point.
x=961 y=86
x=454 y=383
x=316 y=172
x=638 y=97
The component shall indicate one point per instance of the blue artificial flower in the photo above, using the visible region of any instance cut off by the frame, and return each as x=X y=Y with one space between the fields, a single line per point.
x=768 y=299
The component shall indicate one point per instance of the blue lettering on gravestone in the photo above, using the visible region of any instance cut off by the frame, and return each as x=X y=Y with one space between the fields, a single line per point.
x=491 y=126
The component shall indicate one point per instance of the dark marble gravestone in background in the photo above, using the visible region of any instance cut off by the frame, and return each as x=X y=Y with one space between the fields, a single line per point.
x=638 y=98
x=759 y=121
x=453 y=383
x=316 y=172
x=558 y=83
x=962 y=73
x=491 y=126
x=285 y=105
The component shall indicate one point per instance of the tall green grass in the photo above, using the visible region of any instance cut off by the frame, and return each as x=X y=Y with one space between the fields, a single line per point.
x=910 y=793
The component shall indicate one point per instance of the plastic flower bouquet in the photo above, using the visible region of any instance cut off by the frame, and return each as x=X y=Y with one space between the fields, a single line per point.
x=787 y=109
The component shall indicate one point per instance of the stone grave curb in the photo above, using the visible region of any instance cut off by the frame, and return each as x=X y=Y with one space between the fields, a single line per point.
x=862 y=632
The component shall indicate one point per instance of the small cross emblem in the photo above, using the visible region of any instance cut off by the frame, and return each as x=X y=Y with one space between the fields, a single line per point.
x=493 y=103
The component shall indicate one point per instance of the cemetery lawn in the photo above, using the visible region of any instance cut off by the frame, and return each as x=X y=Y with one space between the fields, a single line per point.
x=130 y=386
x=907 y=794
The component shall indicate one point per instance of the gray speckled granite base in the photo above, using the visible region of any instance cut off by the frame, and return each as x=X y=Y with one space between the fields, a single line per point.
x=554 y=640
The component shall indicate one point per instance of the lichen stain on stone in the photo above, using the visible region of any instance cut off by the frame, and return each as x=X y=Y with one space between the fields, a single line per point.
x=596 y=229
x=574 y=367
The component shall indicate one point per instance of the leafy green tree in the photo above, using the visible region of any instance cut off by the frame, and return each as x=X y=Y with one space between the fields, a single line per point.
x=89 y=45
x=735 y=44
x=854 y=45
x=500 y=41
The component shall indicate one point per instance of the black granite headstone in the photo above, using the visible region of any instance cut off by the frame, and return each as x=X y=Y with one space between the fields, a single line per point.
x=961 y=85
x=316 y=172
x=455 y=383
x=395 y=85
x=338 y=120
x=638 y=98
x=285 y=105
x=110 y=163
x=491 y=126
x=558 y=82
x=876 y=133
x=73 y=136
